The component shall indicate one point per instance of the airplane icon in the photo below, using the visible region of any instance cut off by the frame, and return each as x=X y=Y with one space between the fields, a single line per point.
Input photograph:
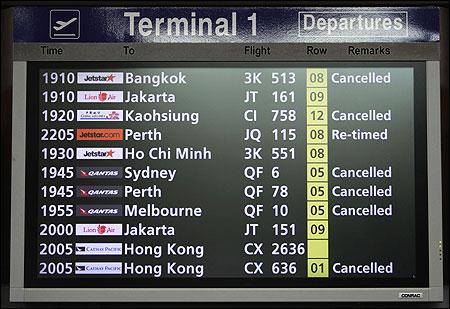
x=62 y=24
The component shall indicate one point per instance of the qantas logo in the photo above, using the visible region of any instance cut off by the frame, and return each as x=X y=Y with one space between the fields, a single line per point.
x=99 y=172
x=100 y=78
x=99 y=153
x=99 y=96
x=99 y=134
x=99 y=191
x=95 y=268
x=101 y=229
x=99 y=115
x=98 y=249
x=99 y=210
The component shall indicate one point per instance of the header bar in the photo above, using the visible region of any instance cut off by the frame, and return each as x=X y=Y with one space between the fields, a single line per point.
x=226 y=24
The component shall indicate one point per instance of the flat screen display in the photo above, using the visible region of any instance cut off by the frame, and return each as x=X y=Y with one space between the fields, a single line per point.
x=226 y=174
x=225 y=153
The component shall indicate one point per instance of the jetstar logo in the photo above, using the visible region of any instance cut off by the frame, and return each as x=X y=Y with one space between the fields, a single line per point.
x=99 y=115
x=99 y=172
x=100 y=153
x=99 y=191
x=100 y=78
x=98 y=249
x=95 y=229
x=95 y=268
x=99 y=210
x=99 y=96
x=109 y=78
x=99 y=134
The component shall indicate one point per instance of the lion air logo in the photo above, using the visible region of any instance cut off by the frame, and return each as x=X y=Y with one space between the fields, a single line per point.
x=98 y=229
x=100 y=96
x=101 y=229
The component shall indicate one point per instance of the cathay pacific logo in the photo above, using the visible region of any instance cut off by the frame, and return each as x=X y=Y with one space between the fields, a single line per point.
x=98 y=248
x=98 y=268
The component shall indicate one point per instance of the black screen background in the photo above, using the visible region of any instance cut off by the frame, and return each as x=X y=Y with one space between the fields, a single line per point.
x=32 y=185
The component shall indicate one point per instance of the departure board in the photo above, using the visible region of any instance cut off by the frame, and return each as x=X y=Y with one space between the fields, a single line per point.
x=226 y=154
x=281 y=165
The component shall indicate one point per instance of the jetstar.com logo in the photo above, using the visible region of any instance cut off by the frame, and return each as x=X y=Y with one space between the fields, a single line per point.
x=99 y=96
x=101 y=229
x=100 y=78
x=100 y=153
x=99 y=115
x=99 y=172
x=99 y=210
x=99 y=191
x=99 y=134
